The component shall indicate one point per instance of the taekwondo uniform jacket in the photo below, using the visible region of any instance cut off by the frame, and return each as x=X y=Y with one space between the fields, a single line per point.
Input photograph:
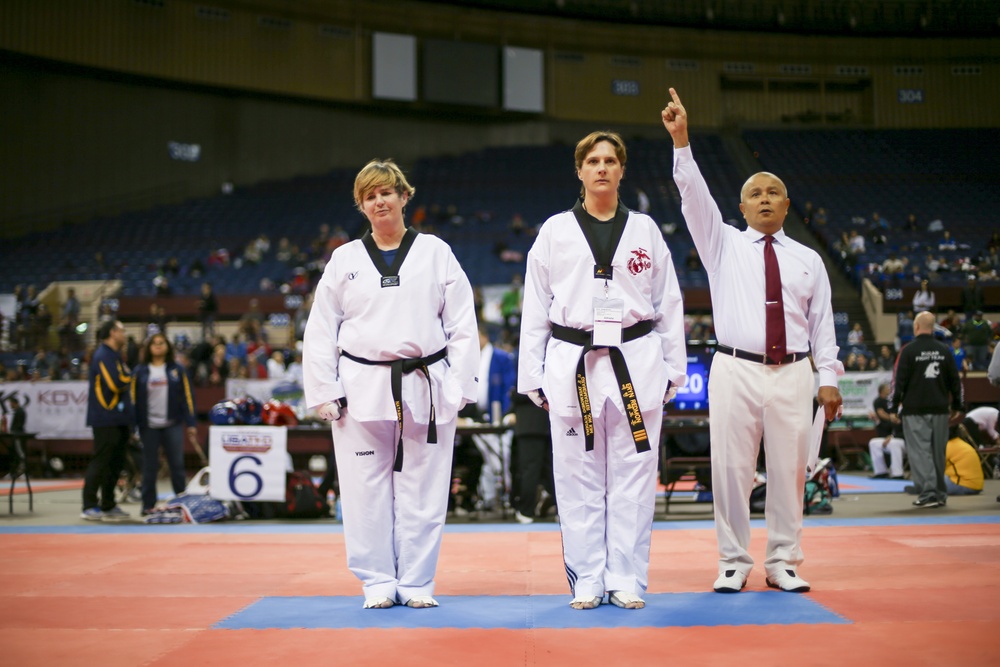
x=430 y=309
x=560 y=287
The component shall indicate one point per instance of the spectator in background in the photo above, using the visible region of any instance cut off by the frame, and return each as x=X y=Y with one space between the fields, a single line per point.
x=977 y=334
x=71 y=308
x=951 y=322
x=532 y=458
x=157 y=320
x=294 y=371
x=888 y=438
x=111 y=415
x=893 y=267
x=497 y=368
x=18 y=418
x=904 y=328
x=923 y=298
x=886 y=358
x=947 y=242
x=276 y=365
x=856 y=242
x=643 y=201
x=981 y=424
x=164 y=409
x=972 y=296
x=218 y=366
x=963 y=467
x=961 y=362
x=301 y=317
x=856 y=336
x=993 y=372
x=237 y=369
x=511 y=303
x=208 y=310
x=911 y=223
x=161 y=283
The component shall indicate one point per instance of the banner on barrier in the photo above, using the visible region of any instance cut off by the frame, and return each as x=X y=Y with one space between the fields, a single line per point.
x=53 y=410
x=859 y=390
x=247 y=462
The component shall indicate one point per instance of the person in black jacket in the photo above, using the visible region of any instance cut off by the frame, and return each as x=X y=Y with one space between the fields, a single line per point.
x=164 y=406
x=110 y=413
x=532 y=458
x=18 y=457
x=926 y=383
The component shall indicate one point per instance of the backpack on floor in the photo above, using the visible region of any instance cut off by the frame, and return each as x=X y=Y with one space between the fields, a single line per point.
x=302 y=499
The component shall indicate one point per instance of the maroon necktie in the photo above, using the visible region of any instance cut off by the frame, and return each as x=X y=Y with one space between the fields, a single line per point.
x=775 y=332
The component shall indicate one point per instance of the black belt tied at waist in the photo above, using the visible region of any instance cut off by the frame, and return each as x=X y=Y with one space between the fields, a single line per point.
x=760 y=358
x=397 y=368
x=585 y=339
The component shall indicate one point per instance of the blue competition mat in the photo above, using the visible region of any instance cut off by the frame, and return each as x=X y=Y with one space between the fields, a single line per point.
x=519 y=612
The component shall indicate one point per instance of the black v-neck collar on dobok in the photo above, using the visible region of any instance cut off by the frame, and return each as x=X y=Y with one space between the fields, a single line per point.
x=602 y=255
x=387 y=272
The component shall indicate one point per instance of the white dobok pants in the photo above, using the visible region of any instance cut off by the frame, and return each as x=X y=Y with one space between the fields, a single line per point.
x=606 y=498
x=393 y=520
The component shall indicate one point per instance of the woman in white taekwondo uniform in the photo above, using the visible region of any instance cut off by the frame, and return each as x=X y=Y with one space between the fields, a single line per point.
x=602 y=348
x=391 y=353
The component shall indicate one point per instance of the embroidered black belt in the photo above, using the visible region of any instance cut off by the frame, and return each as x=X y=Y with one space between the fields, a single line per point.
x=398 y=367
x=760 y=358
x=585 y=339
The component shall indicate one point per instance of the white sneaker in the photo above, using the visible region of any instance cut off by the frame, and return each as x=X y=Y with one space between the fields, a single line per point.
x=787 y=581
x=626 y=600
x=520 y=518
x=730 y=581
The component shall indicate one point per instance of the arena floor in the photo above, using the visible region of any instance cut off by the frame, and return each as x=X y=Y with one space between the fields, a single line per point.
x=892 y=585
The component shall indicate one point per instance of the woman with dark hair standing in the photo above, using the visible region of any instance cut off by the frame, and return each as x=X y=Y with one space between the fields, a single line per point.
x=164 y=405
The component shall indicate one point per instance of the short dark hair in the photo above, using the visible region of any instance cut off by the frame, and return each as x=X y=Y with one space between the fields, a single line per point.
x=104 y=331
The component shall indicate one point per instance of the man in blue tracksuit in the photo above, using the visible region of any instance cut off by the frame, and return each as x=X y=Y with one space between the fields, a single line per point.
x=112 y=417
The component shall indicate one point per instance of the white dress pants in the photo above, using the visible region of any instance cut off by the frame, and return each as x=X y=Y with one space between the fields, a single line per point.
x=749 y=400
x=606 y=499
x=393 y=520
x=896 y=448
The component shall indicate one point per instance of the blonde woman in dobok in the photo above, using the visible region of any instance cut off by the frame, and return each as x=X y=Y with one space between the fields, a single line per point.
x=390 y=356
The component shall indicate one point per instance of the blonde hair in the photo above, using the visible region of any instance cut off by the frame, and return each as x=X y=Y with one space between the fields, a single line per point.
x=587 y=144
x=377 y=174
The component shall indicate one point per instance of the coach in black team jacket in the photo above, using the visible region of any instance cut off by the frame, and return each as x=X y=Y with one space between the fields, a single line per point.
x=925 y=384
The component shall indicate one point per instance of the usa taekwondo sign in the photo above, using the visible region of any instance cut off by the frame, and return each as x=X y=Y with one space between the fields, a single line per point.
x=247 y=462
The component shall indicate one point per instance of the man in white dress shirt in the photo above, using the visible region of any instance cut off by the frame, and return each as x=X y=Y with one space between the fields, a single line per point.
x=760 y=386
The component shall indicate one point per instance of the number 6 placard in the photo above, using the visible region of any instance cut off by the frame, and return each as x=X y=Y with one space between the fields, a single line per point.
x=247 y=462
